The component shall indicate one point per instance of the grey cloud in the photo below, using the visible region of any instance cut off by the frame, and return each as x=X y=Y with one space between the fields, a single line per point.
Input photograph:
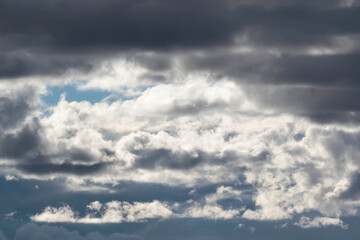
x=166 y=158
x=321 y=104
x=297 y=25
x=194 y=107
x=75 y=161
x=262 y=156
x=151 y=158
x=353 y=192
x=68 y=168
x=153 y=62
x=108 y=152
x=329 y=70
x=153 y=77
x=14 y=110
x=21 y=143
x=333 y=70
x=82 y=155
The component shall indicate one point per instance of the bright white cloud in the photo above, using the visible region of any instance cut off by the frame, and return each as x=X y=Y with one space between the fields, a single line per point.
x=210 y=211
x=111 y=212
x=51 y=214
x=117 y=212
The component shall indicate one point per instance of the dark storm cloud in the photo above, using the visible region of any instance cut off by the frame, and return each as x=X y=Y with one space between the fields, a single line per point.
x=29 y=64
x=50 y=37
x=159 y=24
x=121 y=24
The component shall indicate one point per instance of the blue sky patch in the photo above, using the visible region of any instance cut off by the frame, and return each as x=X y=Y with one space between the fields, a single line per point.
x=73 y=94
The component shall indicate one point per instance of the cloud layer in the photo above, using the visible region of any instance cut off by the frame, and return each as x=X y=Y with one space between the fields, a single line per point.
x=248 y=108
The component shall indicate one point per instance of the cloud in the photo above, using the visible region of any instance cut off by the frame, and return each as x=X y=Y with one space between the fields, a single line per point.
x=40 y=41
x=111 y=212
x=22 y=143
x=209 y=208
x=101 y=31
x=68 y=168
x=166 y=158
x=305 y=222
x=17 y=104
x=118 y=212
x=212 y=211
x=353 y=190
x=25 y=64
x=50 y=214
x=250 y=105
x=150 y=143
x=212 y=23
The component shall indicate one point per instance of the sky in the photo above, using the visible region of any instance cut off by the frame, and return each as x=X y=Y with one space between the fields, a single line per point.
x=179 y=119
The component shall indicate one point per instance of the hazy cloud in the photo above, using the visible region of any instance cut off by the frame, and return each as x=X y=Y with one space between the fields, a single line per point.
x=33 y=231
x=317 y=222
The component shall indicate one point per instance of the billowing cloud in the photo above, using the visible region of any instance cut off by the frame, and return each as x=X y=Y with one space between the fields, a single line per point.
x=290 y=174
